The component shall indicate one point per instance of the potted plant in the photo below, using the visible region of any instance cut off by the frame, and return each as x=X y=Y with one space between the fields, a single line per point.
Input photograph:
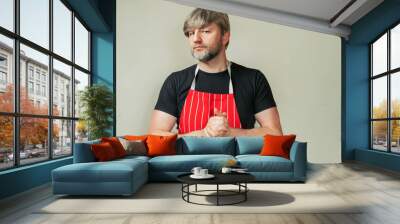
x=96 y=102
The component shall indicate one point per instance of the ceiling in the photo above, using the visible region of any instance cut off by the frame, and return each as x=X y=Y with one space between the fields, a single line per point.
x=325 y=16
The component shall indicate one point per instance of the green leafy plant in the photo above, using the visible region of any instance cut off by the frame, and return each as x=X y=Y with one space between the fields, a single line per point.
x=96 y=102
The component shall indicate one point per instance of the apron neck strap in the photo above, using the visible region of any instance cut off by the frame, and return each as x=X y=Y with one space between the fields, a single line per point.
x=192 y=87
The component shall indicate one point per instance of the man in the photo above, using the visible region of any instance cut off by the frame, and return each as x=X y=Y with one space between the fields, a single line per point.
x=215 y=97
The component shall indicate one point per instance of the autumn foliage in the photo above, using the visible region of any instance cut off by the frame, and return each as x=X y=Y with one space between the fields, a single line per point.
x=33 y=131
x=380 y=127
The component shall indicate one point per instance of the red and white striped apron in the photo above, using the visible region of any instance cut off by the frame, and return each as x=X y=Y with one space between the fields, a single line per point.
x=199 y=107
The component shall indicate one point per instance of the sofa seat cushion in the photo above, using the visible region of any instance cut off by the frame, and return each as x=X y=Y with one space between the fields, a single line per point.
x=185 y=163
x=111 y=171
x=257 y=163
x=133 y=158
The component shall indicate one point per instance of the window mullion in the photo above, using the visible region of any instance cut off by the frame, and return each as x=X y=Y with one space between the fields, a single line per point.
x=50 y=87
x=389 y=76
x=73 y=82
x=16 y=83
x=371 y=137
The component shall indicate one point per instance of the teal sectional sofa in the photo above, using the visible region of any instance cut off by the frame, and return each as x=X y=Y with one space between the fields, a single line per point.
x=125 y=176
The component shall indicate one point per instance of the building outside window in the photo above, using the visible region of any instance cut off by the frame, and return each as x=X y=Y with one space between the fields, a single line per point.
x=30 y=87
x=37 y=75
x=43 y=90
x=3 y=78
x=43 y=78
x=30 y=72
x=3 y=61
x=3 y=72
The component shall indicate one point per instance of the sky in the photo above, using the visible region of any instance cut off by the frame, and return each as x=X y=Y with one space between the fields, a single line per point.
x=34 y=26
x=380 y=66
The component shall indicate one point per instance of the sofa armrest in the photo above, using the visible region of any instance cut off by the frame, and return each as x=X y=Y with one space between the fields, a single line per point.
x=83 y=152
x=298 y=155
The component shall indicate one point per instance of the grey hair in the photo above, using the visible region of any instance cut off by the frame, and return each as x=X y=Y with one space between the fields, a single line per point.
x=202 y=17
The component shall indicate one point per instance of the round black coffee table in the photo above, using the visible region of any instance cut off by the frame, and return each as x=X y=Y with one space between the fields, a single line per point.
x=238 y=179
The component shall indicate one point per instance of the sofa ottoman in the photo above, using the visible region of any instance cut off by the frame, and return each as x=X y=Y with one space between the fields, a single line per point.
x=118 y=177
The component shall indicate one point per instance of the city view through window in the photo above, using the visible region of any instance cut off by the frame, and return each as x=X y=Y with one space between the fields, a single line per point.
x=385 y=91
x=39 y=114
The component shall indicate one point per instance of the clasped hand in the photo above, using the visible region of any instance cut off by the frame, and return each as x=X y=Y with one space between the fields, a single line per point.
x=217 y=125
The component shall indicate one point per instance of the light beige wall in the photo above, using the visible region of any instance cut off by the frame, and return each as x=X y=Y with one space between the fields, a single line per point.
x=302 y=67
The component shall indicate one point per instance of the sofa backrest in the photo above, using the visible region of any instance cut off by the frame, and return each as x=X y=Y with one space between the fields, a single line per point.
x=249 y=145
x=83 y=152
x=190 y=145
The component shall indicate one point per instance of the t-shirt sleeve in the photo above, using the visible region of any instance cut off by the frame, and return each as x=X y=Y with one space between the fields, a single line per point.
x=167 y=99
x=263 y=94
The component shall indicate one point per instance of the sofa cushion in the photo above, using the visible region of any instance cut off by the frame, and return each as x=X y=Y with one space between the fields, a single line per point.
x=277 y=145
x=161 y=145
x=191 y=145
x=185 y=163
x=83 y=152
x=116 y=145
x=111 y=171
x=132 y=158
x=257 y=163
x=249 y=145
x=103 y=152
x=135 y=137
x=134 y=147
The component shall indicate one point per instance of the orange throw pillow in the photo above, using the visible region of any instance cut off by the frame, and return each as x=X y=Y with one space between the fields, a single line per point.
x=277 y=145
x=136 y=137
x=103 y=151
x=116 y=145
x=161 y=145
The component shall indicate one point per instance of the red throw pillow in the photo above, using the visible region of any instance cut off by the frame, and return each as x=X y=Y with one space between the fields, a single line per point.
x=161 y=145
x=103 y=151
x=116 y=145
x=277 y=145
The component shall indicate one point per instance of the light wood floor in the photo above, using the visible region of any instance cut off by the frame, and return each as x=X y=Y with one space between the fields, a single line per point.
x=353 y=182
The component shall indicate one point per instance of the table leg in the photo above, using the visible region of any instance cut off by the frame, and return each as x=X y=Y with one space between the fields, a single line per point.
x=196 y=188
x=245 y=193
x=188 y=190
x=217 y=194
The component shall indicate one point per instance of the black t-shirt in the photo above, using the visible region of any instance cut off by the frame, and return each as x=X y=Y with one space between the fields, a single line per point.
x=250 y=87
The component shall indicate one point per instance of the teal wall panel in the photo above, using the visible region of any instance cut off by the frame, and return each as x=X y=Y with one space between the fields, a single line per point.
x=24 y=178
x=357 y=101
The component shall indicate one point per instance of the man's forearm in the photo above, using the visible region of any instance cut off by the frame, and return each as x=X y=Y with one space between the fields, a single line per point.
x=254 y=132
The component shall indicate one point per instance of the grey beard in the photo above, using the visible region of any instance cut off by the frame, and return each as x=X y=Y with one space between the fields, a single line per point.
x=207 y=55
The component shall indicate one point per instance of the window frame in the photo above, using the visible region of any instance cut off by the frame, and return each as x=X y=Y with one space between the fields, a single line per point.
x=388 y=74
x=16 y=114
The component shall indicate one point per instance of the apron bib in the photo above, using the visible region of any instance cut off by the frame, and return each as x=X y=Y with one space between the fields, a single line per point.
x=199 y=107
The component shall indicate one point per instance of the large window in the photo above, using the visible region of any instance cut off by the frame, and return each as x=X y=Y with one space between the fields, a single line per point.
x=44 y=64
x=385 y=91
